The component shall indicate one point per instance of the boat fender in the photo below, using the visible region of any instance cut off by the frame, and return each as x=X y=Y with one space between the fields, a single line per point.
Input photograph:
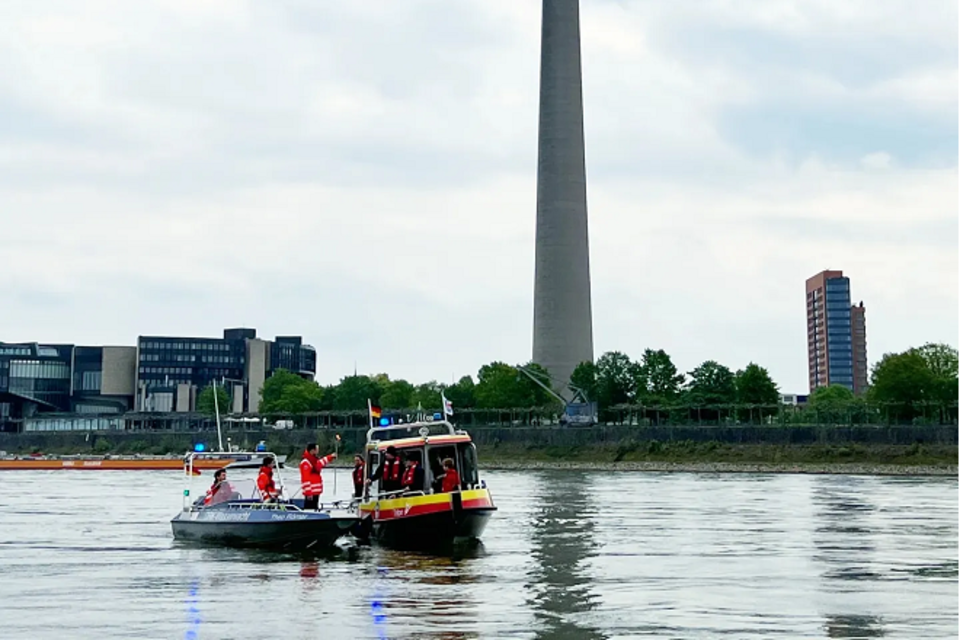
x=457 y=506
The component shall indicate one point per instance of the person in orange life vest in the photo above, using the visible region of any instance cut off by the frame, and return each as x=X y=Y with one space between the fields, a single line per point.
x=220 y=490
x=388 y=472
x=412 y=475
x=311 y=482
x=265 y=484
x=358 y=468
x=451 y=479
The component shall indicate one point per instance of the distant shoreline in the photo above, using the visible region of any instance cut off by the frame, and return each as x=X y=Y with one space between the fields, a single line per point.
x=805 y=468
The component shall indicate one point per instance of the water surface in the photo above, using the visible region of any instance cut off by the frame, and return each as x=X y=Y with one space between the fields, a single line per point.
x=569 y=555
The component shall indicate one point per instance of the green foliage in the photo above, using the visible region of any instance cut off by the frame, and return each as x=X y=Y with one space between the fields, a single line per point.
x=584 y=378
x=427 y=395
x=354 y=391
x=206 y=404
x=287 y=393
x=941 y=359
x=904 y=382
x=711 y=383
x=462 y=394
x=831 y=398
x=755 y=386
x=532 y=394
x=499 y=387
x=659 y=382
x=618 y=378
x=397 y=395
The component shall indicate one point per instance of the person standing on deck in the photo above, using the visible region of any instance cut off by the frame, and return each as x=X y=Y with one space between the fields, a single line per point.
x=412 y=475
x=388 y=472
x=311 y=480
x=358 y=468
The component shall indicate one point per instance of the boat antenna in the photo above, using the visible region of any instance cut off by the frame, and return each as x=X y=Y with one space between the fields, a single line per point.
x=216 y=409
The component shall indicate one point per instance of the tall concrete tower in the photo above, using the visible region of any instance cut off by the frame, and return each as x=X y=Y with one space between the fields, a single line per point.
x=562 y=319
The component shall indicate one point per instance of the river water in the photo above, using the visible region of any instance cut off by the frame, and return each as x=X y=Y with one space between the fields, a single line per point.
x=577 y=555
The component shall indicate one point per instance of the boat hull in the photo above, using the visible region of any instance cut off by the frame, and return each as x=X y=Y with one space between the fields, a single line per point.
x=280 y=530
x=428 y=521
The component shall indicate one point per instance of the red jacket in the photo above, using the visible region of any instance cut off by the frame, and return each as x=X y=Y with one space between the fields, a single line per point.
x=358 y=474
x=451 y=481
x=266 y=485
x=311 y=481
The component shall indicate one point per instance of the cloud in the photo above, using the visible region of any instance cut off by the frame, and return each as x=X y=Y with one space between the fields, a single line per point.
x=365 y=174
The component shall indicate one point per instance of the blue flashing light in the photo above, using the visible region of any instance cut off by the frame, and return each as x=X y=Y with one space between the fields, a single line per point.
x=384 y=422
x=437 y=416
x=199 y=447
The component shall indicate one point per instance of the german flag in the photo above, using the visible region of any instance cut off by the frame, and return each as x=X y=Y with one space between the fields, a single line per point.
x=374 y=412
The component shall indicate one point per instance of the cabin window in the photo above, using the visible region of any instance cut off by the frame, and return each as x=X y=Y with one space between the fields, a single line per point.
x=468 y=465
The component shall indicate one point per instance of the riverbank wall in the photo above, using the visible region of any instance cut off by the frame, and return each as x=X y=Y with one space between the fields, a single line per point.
x=600 y=442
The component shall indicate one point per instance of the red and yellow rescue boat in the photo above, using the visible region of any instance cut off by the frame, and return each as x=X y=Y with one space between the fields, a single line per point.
x=423 y=514
x=120 y=463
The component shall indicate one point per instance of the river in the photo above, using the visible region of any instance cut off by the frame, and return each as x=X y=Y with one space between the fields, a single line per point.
x=578 y=555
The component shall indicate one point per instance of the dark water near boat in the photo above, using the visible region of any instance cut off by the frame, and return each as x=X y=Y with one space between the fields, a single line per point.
x=569 y=555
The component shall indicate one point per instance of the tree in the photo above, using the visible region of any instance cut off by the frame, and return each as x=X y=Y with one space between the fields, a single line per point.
x=617 y=377
x=205 y=401
x=659 y=381
x=584 y=378
x=756 y=387
x=398 y=395
x=428 y=395
x=353 y=392
x=499 y=387
x=530 y=393
x=835 y=404
x=904 y=383
x=287 y=393
x=462 y=394
x=711 y=383
x=941 y=359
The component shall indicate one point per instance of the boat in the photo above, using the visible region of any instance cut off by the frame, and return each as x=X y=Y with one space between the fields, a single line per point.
x=118 y=463
x=425 y=517
x=241 y=519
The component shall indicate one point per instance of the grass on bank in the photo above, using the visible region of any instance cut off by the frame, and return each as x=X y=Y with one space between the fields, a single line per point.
x=916 y=454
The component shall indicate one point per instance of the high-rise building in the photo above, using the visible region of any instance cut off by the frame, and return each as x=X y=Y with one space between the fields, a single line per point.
x=562 y=321
x=836 y=334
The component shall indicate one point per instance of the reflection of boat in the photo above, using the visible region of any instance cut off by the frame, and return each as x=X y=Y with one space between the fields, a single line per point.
x=120 y=463
x=241 y=519
x=424 y=516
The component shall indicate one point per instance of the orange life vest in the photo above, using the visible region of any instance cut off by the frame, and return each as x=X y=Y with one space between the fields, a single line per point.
x=391 y=470
x=409 y=475
x=266 y=485
x=311 y=481
x=358 y=474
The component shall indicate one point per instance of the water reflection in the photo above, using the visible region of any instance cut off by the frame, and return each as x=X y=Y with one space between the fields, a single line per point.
x=430 y=594
x=844 y=535
x=854 y=627
x=193 y=613
x=562 y=539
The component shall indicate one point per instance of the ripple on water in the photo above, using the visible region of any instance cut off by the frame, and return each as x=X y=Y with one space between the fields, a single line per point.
x=570 y=554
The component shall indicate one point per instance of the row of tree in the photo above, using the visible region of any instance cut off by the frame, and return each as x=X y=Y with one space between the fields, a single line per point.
x=919 y=376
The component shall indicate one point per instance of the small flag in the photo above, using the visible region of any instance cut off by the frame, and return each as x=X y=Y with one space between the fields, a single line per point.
x=447 y=405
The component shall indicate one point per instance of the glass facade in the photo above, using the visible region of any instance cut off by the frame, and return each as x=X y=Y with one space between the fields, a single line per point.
x=289 y=352
x=839 y=332
x=165 y=362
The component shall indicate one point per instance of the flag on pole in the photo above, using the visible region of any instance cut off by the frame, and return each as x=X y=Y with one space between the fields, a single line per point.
x=373 y=411
x=447 y=405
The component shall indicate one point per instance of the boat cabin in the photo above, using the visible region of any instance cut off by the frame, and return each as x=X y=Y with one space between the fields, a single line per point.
x=429 y=444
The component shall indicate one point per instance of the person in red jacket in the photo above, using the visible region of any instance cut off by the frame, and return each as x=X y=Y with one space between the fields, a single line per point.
x=413 y=475
x=359 y=466
x=220 y=490
x=451 y=479
x=311 y=481
x=265 y=484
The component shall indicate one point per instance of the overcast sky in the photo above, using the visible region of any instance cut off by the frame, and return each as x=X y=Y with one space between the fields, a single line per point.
x=364 y=174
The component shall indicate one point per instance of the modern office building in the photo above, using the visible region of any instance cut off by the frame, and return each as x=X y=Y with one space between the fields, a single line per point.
x=33 y=378
x=172 y=371
x=836 y=334
x=160 y=374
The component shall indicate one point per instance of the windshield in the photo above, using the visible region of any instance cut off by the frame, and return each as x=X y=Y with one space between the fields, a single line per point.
x=237 y=484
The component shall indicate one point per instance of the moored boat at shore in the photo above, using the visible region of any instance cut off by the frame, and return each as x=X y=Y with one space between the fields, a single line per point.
x=122 y=463
x=425 y=516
